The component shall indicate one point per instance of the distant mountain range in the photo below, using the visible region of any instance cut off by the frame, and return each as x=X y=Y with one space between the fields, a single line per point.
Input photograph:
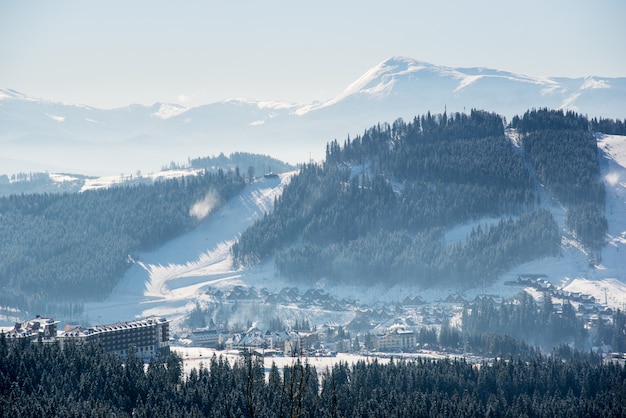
x=37 y=135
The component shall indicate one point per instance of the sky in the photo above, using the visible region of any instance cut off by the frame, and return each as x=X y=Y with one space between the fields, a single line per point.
x=114 y=53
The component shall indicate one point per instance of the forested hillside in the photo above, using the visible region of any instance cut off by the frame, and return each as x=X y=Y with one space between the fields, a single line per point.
x=73 y=247
x=564 y=153
x=81 y=380
x=378 y=208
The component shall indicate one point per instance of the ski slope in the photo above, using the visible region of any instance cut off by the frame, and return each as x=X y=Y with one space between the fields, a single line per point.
x=171 y=280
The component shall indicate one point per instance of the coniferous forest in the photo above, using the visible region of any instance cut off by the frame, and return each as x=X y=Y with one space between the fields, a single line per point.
x=81 y=380
x=73 y=247
x=378 y=209
x=564 y=154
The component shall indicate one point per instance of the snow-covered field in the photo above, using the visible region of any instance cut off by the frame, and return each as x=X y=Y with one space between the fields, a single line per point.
x=196 y=357
x=170 y=280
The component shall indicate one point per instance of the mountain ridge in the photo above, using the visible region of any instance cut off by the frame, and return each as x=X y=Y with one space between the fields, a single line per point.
x=293 y=132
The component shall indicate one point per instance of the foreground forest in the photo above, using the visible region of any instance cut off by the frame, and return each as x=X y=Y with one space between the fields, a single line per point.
x=81 y=380
x=378 y=208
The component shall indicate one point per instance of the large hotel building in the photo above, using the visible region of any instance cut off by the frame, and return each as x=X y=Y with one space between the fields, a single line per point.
x=148 y=336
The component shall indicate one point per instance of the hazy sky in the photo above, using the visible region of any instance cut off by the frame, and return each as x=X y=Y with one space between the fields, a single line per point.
x=113 y=53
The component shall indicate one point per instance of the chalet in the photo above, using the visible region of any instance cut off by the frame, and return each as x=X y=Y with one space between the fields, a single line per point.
x=361 y=323
x=587 y=298
x=455 y=298
x=290 y=294
x=413 y=301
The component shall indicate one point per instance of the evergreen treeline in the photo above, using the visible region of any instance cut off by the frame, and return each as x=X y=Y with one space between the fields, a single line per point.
x=38 y=183
x=379 y=205
x=424 y=259
x=543 y=324
x=250 y=164
x=45 y=380
x=608 y=126
x=524 y=319
x=76 y=246
x=564 y=153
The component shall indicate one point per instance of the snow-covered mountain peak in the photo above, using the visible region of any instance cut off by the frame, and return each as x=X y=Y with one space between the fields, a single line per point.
x=9 y=94
x=380 y=80
x=168 y=110
x=594 y=83
x=32 y=130
x=261 y=104
x=384 y=75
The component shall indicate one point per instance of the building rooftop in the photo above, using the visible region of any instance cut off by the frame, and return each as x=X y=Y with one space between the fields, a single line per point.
x=97 y=329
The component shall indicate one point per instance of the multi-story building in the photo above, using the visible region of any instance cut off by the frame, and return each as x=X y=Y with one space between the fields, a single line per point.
x=34 y=329
x=397 y=338
x=148 y=336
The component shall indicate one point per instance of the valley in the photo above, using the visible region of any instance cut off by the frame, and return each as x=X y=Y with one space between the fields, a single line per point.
x=196 y=271
x=477 y=197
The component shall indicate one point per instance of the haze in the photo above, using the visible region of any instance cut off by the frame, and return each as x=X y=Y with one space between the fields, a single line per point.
x=111 y=54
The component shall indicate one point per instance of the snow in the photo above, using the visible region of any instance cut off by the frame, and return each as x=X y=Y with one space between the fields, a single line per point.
x=262 y=104
x=382 y=74
x=569 y=102
x=62 y=178
x=398 y=87
x=591 y=83
x=167 y=111
x=196 y=357
x=571 y=269
x=171 y=279
x=105 y=182
x=611 y=291
x=271 y=104
x=7 y=94
x=403 y=75
x=614 y=172
x=56 y=118
x=466 y=81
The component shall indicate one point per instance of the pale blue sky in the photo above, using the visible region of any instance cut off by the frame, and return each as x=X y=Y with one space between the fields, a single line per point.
x=113 y=53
